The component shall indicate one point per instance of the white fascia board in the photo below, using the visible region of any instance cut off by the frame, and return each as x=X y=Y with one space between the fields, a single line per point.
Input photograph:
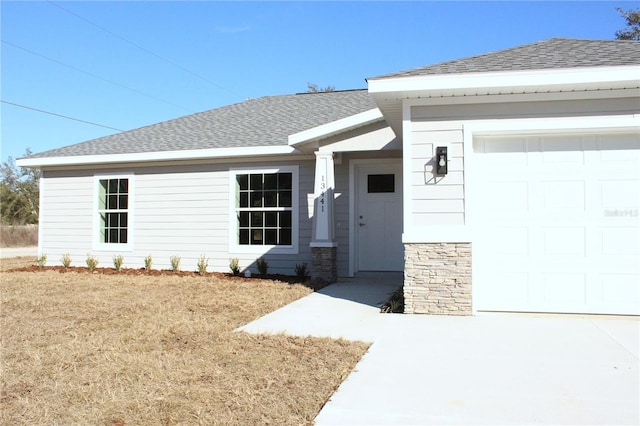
x=143 y=157
x=335 y=127
x=569 y=77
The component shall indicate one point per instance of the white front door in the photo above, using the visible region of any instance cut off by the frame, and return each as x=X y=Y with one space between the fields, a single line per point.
x=378 y=216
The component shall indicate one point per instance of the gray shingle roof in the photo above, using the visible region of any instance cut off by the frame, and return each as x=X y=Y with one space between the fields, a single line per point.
x=547 y=54
x=266 y=121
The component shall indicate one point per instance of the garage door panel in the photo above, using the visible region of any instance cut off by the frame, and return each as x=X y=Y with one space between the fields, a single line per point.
x=512 y=287
x=622 y=241
x=562 y=155
x=561 y=231
x=564 y=195
x=510 y=241
x=619 y=156
x=564 y=288
x=620 y=194
x=564 y=241
x=517 y=146
x=507 y=197
x=620 y=288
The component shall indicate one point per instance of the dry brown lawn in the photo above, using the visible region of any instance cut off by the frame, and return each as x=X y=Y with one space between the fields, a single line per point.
x=81 y=348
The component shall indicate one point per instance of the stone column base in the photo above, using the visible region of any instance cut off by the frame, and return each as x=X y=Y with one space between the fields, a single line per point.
x=324 y=264
x=437 y=278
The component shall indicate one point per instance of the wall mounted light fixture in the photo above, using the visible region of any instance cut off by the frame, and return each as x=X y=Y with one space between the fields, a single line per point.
x=441 y=161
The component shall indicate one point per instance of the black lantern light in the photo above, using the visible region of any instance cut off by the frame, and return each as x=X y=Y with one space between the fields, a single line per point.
x=441 y=161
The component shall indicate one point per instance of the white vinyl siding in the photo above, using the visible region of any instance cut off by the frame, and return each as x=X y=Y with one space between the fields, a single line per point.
x=66 y=222
x=436 y=200
x=178 y=210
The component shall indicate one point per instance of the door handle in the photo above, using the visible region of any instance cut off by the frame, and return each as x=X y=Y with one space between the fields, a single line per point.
x=362 y=224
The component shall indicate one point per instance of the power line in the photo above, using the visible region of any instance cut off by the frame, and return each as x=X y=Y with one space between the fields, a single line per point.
x=96 y=76
x=137 y=46
x=59 y=115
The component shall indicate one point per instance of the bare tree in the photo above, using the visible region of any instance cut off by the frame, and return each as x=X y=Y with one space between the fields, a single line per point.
x=313 y=88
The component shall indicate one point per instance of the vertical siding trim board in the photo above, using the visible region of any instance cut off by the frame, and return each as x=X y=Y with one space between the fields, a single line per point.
x=407 y=159
x=41 y=213
x=437 y=279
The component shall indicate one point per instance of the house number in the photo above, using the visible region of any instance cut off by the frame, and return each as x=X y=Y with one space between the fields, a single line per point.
x=323 y=186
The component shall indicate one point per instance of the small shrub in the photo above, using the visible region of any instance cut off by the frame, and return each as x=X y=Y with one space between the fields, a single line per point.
x=234 y=265
x=202 y=265
x=175 y=263
x=117 y=261
x=263 y=266
x=42 y=260
x=148 y=261
x=66 y=260
x=92 y=262
x=301 y=270
x=395 y=304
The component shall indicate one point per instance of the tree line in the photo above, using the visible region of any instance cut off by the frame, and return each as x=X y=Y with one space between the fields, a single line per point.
x=19 y=193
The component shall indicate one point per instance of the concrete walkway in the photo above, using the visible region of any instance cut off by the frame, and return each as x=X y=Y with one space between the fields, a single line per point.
x=486 y=369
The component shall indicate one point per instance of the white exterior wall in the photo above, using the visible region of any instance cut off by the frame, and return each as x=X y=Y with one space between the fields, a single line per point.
x=436 y=209
x=177 y=210
x=437 y=199
x=522 y=269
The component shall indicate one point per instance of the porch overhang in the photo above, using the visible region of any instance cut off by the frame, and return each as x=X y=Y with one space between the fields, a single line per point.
x=298 y=140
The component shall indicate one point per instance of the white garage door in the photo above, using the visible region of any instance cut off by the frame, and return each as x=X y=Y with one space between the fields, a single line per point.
x=557 y=224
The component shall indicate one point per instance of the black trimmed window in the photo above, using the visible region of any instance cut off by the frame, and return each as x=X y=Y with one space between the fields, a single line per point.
x=264 y=209
x=113 y=208
x=381 y=183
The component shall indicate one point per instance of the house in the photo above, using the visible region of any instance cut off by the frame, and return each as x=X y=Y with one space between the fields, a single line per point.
x=508 y=181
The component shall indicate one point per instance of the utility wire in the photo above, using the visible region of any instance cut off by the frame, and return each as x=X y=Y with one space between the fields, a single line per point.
x=137 y=46
x=59 y=115
x=96 y=76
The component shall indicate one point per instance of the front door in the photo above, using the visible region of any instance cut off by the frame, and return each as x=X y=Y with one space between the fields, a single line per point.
x=378 y=216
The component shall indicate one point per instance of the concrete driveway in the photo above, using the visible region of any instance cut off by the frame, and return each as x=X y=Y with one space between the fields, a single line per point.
x=486 y=369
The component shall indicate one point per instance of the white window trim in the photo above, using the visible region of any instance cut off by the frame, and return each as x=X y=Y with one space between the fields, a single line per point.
x=234 y=247
x=98 y=245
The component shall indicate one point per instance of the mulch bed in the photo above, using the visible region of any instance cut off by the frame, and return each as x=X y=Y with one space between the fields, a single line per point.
x=289 y=279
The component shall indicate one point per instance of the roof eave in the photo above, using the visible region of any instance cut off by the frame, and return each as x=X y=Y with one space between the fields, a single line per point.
x=389 y=93
x=567 y=78
x=159 y=156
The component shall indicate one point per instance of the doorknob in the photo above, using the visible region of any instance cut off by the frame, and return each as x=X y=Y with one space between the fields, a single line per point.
x=362 y=224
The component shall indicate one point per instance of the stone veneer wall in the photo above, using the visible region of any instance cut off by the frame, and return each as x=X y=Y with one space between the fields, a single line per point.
x=324 y=264
x=437 y=278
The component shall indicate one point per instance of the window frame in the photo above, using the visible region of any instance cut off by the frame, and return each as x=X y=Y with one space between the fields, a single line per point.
x=234 y=245
x=98 y=244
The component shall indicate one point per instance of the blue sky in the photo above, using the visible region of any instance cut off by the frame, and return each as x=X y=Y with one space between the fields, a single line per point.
x=129 y=64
